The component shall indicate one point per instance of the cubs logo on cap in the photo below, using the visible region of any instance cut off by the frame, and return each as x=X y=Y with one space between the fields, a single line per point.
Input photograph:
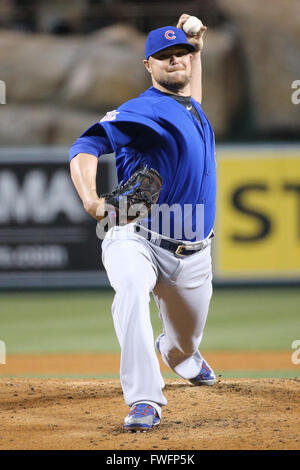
x=170 y=34
x=167 y=36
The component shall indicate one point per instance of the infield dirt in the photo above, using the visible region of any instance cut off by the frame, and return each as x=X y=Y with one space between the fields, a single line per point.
x=88 y=414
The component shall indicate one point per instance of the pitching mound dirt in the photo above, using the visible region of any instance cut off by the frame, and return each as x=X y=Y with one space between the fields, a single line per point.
x=88 y=414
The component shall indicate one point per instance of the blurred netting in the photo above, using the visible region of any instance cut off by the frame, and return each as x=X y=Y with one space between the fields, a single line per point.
x=84 y=16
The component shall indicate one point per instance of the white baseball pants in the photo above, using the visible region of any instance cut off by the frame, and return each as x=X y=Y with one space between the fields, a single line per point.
x=182 y=289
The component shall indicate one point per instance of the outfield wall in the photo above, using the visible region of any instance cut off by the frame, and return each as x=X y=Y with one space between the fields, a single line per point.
x=48 y=241
x=258 y=214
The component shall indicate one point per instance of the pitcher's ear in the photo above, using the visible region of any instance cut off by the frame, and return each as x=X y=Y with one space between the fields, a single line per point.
x=147 y=65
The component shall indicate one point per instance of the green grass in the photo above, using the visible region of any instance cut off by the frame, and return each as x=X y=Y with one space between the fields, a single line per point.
x=253 y=319
x=57 y=322
x=60 y=322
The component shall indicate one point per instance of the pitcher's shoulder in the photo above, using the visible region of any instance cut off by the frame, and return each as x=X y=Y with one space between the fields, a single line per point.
x=143 y=104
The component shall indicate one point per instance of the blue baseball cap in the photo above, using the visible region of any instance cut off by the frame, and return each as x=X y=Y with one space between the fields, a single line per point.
x=162 y=38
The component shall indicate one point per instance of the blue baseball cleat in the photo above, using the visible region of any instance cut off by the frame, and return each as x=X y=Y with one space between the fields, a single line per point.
x=142 y=417
x=206 y=376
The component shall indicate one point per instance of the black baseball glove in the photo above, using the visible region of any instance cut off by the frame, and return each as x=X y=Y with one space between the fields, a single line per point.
x=133 y=199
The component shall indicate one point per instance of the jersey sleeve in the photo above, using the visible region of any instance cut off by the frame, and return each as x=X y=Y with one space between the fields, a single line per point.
x=93 y=141
x=132 y=124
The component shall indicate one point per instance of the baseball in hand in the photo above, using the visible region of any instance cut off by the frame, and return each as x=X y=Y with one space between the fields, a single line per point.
x=192 y=26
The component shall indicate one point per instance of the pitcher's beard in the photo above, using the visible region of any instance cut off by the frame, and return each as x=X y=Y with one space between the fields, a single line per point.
x=174 y=86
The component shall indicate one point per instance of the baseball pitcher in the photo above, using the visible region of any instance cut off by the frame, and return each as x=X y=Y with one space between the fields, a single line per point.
x=159 y=220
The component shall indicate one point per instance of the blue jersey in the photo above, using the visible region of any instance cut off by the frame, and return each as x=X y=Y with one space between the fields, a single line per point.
x=156 y=130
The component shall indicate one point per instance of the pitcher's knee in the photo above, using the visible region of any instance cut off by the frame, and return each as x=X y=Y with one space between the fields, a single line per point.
x=133 y=284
